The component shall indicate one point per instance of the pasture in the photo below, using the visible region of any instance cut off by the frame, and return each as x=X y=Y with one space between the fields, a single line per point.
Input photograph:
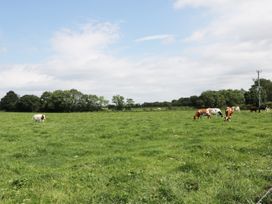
x=135 y=157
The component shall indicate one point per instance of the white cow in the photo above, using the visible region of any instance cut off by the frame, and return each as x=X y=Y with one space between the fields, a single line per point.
x=236 y=108
x=39 y=117
x=267 y=109
x=215 y=111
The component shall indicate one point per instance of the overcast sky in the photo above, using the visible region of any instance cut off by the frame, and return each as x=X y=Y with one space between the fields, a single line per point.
x=148 y=50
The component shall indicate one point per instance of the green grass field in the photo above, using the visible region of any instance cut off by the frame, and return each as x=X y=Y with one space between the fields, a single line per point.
x=135 y=157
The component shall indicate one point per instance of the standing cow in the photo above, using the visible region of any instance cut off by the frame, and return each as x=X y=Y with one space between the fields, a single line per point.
x=202 y=112
x=39 y=117
x=215 y=111
x=229 y=111
x=236 y=108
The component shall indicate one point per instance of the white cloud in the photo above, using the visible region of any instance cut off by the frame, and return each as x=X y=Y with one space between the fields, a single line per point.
x=236 y=42
x=89 y=42
x=211 y=4
x=166 y=38
x=24 y=79
x=233 y=20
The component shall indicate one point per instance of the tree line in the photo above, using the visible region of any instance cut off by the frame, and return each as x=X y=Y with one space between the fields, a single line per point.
x=56 y=101
x=75 y=101
x=223 y=98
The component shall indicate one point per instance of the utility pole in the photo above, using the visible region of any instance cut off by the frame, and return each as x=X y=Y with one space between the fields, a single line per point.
x=259 y=90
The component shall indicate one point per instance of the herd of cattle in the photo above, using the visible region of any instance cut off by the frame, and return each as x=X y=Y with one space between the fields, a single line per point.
x=216 y=111
x=199 y=113
x=228 y=112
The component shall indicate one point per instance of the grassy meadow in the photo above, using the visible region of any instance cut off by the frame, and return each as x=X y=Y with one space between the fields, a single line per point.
x=135 y=157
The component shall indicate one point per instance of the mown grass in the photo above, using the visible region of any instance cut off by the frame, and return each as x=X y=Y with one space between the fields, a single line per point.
x=135 y=157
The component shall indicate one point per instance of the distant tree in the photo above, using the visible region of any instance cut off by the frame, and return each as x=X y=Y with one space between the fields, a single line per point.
x=199 y=103
x=71 y=101
x=9 y=101
x=175 y=102
x=28 y=103
x=73 y=98
x=46 y=102
x=59 y=101
x=251 y=96
x=267 y=86
x=130 y=103
x=209 y=98
x=119 y=102
x=137 y=105
x=102 y=101
x=194 y=101
x=233 y=97
x=93 y=103
x=184 y=101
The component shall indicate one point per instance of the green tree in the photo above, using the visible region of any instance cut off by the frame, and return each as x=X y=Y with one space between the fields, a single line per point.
x=8 y=102
x=28 y=103
x=46 y=102
x=130 y=103
x=102 y=101
x=233 y=97
x=71 y=101
x=267 y=86
x=93 y=103
x=209 y=98
x=251 y=96
x=222 y=98
x=119 y=102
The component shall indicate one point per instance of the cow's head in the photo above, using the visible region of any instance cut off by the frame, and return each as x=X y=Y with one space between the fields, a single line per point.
x=43 y=117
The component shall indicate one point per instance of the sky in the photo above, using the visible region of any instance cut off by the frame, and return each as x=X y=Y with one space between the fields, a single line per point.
x=147 y=50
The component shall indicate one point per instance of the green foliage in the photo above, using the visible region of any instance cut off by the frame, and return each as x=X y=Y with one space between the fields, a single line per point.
x=251 y=96
x=129 y=103
x=219 y=99
x=56 y=101
x=135 y=157
x=28 y=103
x=8 y=102
x=119 y=102
x=71 y=101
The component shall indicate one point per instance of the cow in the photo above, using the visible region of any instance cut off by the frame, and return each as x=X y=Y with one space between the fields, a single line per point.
x=202 y=112
x=229 y=111
x=215 y=111
x=253 y=108
x=39 y=117
x=236 y=108
x=267 y=109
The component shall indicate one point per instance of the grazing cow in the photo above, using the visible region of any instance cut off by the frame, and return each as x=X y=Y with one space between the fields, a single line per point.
x=39 y=117
x=236 y=108
x=263 y=107
x=229 y=111
x=253 y=108
x=267 y=109
x=215 y=111
x=202 y=112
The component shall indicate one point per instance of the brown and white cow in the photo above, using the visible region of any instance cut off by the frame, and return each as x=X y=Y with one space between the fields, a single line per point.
x=229 y=111
x=202 y=112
